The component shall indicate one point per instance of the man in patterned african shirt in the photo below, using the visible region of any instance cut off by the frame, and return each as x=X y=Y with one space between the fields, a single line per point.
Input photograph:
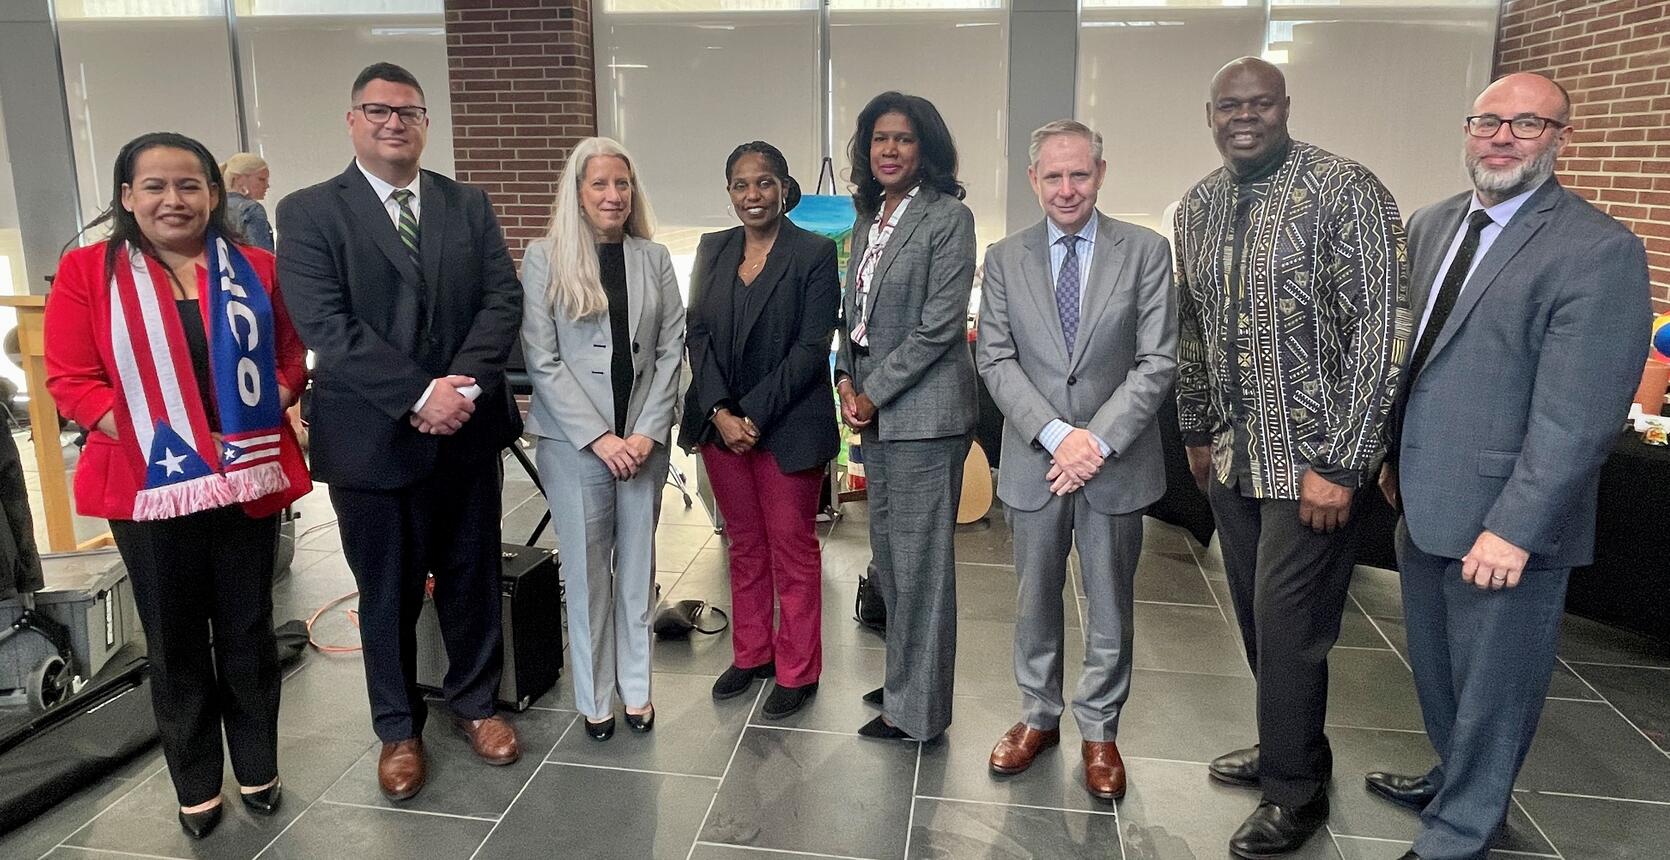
x=1294 y=321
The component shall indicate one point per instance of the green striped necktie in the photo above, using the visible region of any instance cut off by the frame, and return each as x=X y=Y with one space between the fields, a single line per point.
x=408 y=227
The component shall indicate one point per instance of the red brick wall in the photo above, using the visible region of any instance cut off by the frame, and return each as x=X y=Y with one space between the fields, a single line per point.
x=522 y=96
x=1614 y=57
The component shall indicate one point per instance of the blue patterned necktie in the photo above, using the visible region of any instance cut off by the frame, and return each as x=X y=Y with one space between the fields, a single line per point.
x=1067 y=291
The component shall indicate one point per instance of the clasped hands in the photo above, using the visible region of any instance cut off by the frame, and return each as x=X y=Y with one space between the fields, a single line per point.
x=624 y=457
x=1076 y=460
x=445 y=410
x=857 y=410
x=739 y=435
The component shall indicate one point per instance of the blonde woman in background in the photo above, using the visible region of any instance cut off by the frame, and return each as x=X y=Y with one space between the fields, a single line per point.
x=603 y=331
x=247 y=177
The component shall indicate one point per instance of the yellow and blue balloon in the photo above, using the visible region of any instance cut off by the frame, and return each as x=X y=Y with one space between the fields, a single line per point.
x=1661 y=338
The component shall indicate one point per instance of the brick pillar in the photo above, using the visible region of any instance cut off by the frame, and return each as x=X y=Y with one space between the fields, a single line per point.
x=523 y=94
x=1614 y=57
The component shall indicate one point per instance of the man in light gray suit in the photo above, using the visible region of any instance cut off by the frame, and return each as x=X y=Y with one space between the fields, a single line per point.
x=1533 y=309
x=1078 y=345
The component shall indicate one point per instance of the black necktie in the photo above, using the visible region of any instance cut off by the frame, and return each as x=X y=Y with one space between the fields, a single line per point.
x=1450 y=289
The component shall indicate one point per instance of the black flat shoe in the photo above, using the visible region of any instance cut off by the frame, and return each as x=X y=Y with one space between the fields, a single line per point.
x=600 y=731
x=735 y=681
x=200 y=824
x=641 y=723
x=1236 y=768
x=874 y=697
x=1414 y=792
x=786 y=700
x=880 y=730
x=265 y=801
x=1273 y=830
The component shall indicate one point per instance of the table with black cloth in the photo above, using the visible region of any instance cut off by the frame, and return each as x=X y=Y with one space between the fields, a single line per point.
x=1628 y=585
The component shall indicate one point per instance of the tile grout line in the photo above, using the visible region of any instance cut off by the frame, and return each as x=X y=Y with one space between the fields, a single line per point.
x=314 y=802
x=1334 y=838
x=915 y=782
x=1201 y=569
x=1114 y=812
x=63 y=843
x=628 y=769
x=1570 y=663
x=1376 y=625
x=1603 y=698
x=726 y=772
x=115 y=852
x=519 y=792
x=779 y=851
x=1540 y=832
x=1598 y=797
x=375 y=808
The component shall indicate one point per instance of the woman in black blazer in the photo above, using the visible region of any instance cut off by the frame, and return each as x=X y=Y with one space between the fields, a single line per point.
x=763 y=298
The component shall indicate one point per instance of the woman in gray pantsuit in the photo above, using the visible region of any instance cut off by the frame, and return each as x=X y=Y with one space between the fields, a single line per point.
x=603 y=331
x=906 y=381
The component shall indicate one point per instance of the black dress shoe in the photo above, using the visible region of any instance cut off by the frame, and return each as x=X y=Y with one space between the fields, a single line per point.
x=735 y=681
x=641 y=723
x=200 y=824
x=1410 y=855
x=786 y=700
x=265 y=801
x=874 y=697
x=600 y=731
x=1273 y=830
x=1236 y=768
x=1414 y=792
x=880 y=730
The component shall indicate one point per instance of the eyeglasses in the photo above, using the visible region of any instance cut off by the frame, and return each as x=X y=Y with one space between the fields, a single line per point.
x=380 y=113
x=1529 y=127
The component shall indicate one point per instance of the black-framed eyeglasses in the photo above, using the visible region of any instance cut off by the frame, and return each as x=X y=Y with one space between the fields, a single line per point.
x=379 y=112
x=1527 y=127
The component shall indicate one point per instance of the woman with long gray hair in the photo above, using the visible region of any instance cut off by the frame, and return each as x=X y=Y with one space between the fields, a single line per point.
x=603 y=331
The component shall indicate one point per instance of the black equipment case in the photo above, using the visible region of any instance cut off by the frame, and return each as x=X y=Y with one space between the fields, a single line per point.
x=532 y=617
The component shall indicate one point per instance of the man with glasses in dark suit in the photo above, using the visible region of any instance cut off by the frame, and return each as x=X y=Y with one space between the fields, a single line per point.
x=399 y=280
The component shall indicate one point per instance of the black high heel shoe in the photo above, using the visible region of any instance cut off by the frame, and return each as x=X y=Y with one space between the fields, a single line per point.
x=197 y=825
x=641 y=723
x=601 y=731
x=265 y=801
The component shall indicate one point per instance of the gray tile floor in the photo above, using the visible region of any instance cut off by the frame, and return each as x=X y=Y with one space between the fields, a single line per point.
x=715 y=781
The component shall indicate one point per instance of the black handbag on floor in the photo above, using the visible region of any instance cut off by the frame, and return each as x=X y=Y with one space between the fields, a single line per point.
x=677 y=620
x=868 y=609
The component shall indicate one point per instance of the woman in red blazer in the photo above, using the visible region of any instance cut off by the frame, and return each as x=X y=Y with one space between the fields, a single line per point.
x=170 y=343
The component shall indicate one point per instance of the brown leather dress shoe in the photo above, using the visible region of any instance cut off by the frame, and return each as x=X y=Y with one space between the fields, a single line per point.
x=492 y=738
x=1019 y=746
x=1104 y=770
x=400 y=768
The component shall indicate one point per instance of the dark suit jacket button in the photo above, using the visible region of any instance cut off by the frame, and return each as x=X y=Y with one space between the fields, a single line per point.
x=1072 y=380
x=634 y=346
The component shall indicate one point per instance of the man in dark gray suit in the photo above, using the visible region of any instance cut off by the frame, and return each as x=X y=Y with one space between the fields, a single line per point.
x=1533 y=309
x=1078 y=345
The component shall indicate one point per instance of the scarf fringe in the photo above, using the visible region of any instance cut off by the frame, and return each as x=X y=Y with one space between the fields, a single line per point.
x=185 y=497
x=257 y=482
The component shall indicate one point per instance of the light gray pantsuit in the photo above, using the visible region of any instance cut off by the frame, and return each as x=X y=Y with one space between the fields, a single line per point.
x=1108 y=550
x=608 y=569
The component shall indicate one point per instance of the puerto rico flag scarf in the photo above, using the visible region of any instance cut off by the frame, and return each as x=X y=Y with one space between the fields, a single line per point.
x=187 y=469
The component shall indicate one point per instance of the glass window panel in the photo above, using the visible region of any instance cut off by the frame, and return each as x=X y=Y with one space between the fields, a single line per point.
x=136 y=66
x=955 y=55
x=12 y=275
x=297 y=68
x=681 y=89
x=1142 y=80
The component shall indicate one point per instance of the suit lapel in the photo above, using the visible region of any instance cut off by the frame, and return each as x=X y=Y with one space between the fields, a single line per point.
x=637 y=285
x=1525 y=224
x=432 y=227
x=1038 y=285
x=1448 y=220
x=765 y=283
x=1106 y=260
x=908 y=220
x=368 y=211
x=721 y=283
